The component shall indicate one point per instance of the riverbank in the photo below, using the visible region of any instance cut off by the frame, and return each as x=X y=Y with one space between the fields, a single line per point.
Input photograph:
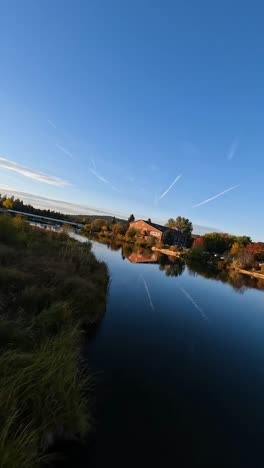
x=52 y=289
x=168 y=252
x=254 y=274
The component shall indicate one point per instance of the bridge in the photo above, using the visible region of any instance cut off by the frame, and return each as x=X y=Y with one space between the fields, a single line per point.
x=40 y=218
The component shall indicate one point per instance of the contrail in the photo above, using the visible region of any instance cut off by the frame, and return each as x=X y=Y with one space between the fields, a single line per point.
x=64 y=151
x=194 y=303
x=216 y=196
x=148 y=293
x=233 y=149
x=52 y=124
x=170 y=187
x=104 y=180
x=93 y=162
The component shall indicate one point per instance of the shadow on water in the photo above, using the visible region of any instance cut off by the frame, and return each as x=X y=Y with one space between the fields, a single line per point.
x=174 y=389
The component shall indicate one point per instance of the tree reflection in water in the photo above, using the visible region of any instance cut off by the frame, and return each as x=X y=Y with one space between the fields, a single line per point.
x=175 y=266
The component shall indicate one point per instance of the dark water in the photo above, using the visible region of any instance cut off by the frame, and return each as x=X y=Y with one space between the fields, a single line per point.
x=180 y=367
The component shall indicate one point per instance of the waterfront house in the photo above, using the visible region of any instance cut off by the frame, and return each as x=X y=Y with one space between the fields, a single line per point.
x=147 y=229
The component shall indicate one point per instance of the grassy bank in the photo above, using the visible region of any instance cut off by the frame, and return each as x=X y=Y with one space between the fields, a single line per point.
x=51 y=287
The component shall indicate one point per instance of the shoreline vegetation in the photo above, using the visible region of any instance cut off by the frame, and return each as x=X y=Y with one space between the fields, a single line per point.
x=52 y=290
x=238 y=252
x=223 y=250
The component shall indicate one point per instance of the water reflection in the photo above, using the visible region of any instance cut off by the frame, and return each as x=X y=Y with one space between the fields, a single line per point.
x=174 y=266
x=238 y=281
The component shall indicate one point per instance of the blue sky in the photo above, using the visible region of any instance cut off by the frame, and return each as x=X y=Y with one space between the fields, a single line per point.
x=113 y=100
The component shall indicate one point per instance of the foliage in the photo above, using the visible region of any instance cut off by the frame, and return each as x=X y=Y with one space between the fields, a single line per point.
x=221 y=242
x=167 y=237
x=51 y=285
x=131 y=218
x=198 y=248
x=199 y=242
x=98 y=223
x=131 y=233
x=183 y=224
x=119 y=228
x=236 y=249
x=8 y=203
x=19 y=205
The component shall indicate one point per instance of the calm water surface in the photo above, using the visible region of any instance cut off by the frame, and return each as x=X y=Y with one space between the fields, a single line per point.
x=180 y=369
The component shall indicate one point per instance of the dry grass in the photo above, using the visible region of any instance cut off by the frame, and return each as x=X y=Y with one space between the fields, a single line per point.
x=50 y=286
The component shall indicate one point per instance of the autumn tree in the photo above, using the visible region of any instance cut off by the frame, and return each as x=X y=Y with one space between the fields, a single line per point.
x=131 y=233
x=8 y=203
x=236 y=249
x=98 y=223
x=119 y=228
x=199 y=243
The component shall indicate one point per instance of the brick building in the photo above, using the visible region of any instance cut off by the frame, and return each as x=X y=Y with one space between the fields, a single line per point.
x=147 y=229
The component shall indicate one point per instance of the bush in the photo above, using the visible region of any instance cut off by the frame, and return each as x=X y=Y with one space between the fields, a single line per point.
x=131 y=233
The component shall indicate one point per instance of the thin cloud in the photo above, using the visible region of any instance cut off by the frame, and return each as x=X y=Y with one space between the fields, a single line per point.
x=52 y=124
x=65 y=151
x=32 y=174
x=148 y=293
x=233 y=149
x=170 y=187
x=99 y=177
x=216 y=196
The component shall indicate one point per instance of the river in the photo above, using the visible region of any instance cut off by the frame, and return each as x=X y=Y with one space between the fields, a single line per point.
x=179 y=365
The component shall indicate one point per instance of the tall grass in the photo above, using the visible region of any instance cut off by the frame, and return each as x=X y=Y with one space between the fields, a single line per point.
x=50 y=286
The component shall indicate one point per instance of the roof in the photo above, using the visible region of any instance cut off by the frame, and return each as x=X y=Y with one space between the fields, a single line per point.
x=158 y=226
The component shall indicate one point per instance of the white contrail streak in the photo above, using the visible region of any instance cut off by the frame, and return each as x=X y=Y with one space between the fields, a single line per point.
x=52 y=124
x=148 y=293
x=216 y=196
x=233 y=149
x=93 y=163
x=170 y=187
x=104 y=180
x=197 y=307
x=64 y=151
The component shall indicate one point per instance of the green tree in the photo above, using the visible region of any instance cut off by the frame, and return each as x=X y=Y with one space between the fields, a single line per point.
x=167 y=237
x=171 y=223
x=149 y=220
x=217 y=242
x=131 y=218
x=243 y=240
x=183 y=224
